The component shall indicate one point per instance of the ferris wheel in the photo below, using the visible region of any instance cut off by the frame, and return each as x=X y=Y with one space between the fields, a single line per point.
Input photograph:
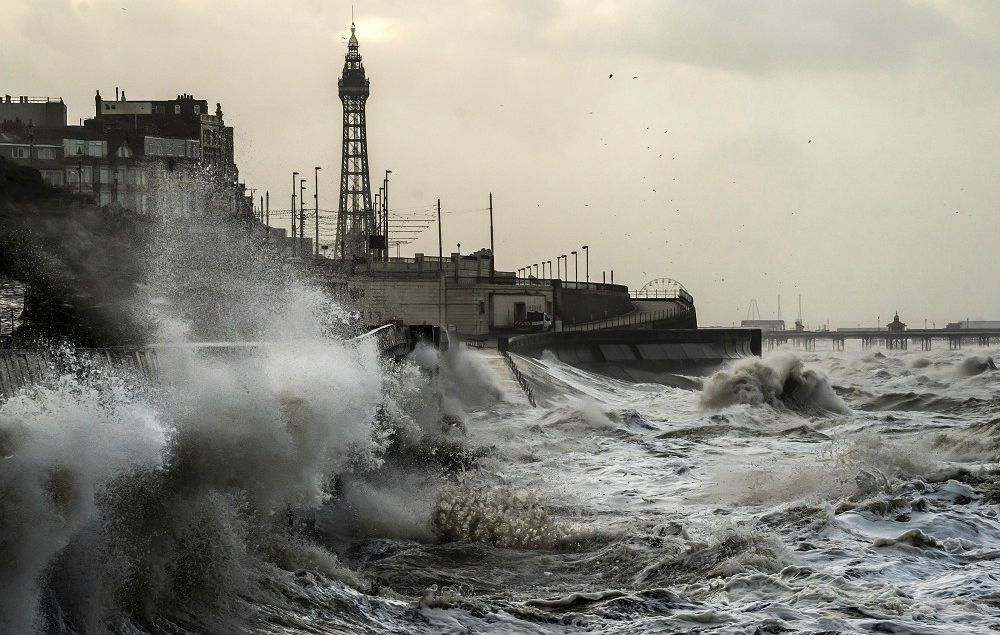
x=662 y=288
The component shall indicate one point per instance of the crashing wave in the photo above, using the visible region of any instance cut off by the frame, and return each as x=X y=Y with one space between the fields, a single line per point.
x=780 y=381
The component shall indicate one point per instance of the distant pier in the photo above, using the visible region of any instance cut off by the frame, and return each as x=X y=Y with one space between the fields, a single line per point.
x=891 y=340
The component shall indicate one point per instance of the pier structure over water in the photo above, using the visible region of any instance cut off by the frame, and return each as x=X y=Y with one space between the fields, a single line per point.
x=956 y=338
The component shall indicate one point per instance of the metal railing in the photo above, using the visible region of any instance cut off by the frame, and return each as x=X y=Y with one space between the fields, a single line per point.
x=390 y=340
x=639 y=317
x=593 y=286
x=519 y=378
x=28 y=99
x=565 y=284
x=476 y=341
x=533 y=281
x=662 y=294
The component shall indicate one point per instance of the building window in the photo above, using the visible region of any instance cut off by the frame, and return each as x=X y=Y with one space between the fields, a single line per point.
x=73 y=146
x=52 y=178
x=197 y=109
x=19 y=153
x=177 y=109
x=75 y=174
x=482 y=308
x=95 y=148
x=46 y=153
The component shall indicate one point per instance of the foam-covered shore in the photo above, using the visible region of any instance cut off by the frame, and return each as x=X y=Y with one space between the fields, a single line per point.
x=310 y=488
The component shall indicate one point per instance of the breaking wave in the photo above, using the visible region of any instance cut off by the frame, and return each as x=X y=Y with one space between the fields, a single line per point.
x=143 y=499
x=780 y=381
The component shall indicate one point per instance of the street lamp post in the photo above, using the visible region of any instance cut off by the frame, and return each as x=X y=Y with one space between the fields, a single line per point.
x=31 y=147
x=576 y=267
x=550 y=269
x=586 y=253
x=316 y=205
x=565 y=266
x=377 y=204
x=79 y=170
x=385 y=211
x=295 y=176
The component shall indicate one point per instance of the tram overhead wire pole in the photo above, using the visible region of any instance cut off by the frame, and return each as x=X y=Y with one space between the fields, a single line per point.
x=302 y=209
x=576 y=267
x=586 y=252
x=316 y=170
x=493 y=253
x=440 y=269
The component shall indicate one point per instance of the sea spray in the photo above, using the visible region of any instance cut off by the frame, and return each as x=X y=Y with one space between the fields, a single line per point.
x=129 y=504
x=780 y=381
x=502 y=517
x=61 y=446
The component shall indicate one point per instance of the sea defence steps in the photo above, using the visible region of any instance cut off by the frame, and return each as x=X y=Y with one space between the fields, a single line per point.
x=640 y=355
x=502 y=368
x=25 y=367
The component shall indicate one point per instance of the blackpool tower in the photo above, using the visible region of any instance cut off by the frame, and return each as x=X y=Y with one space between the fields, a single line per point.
x=357 y=231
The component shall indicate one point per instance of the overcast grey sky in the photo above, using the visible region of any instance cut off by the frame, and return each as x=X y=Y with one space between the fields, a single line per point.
x=844 y=150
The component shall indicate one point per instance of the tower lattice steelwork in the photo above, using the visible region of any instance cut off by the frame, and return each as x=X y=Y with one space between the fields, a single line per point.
x=357 y=229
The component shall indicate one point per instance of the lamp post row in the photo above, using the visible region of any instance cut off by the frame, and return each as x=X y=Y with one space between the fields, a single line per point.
x=299 y=211
x=382 y=203
x=526 y=271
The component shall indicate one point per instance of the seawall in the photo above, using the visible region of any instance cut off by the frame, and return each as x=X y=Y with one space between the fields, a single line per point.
x=641 y=355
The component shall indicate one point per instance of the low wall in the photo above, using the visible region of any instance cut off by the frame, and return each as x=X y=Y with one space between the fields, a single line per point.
x=26 y=367
x=641 y=355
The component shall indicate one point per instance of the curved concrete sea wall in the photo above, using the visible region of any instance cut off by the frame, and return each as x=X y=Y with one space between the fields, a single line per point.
x=641 y=355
